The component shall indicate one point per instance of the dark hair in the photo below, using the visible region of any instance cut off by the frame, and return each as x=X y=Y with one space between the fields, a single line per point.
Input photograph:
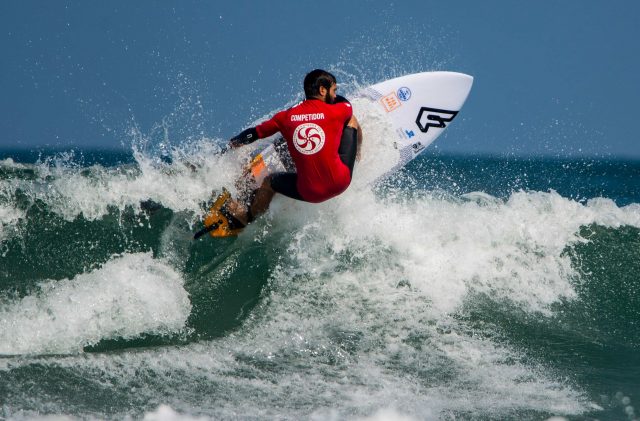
x=314 y=80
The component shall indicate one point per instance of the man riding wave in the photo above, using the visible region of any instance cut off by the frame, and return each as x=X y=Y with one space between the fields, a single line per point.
x=323 y=138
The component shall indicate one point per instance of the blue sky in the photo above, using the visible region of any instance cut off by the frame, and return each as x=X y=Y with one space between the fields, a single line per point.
x=551 y=77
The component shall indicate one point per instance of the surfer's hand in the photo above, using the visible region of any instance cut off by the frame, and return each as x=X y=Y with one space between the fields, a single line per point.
x=247 y=136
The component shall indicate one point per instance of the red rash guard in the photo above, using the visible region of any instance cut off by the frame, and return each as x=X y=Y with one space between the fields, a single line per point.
x=313 y=130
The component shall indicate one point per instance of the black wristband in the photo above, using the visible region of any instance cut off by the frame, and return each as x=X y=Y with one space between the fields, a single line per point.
x=244 y=138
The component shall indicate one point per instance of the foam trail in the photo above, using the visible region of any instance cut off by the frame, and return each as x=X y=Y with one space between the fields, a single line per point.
x=126 y=297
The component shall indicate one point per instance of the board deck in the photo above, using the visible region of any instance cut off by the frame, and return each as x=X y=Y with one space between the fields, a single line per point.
x=419 y=106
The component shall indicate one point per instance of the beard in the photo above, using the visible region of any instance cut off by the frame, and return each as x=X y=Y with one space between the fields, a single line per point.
x=328 y=99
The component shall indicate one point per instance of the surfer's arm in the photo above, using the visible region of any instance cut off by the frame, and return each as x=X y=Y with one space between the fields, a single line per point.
x=269 y=127
x=244 y=138
x=252 y=134
x=353 y=122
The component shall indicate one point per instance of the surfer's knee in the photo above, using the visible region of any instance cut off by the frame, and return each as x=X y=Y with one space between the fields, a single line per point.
x=261 y=199
x=266 y=183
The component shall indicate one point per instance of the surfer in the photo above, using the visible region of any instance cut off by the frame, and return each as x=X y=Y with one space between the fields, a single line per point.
x=323 y=138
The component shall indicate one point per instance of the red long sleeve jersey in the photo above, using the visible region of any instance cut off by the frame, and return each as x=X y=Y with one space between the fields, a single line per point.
x=313 y=130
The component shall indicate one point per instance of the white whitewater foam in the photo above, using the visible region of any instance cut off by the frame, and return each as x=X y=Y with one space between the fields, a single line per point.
x=71 y=191
x=9 y=218
x=127 y=296
x=446 y=247
x=10 y=163
x=9 y=215
x=389 y=414
x=166 y=413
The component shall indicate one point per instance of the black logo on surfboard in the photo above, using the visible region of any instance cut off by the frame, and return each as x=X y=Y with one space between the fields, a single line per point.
x=434 y=117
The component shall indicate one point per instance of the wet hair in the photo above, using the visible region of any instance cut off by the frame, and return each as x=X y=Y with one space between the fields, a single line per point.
x=314 y=80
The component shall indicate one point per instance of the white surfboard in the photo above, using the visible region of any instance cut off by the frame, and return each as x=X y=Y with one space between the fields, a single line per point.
x=419 y=107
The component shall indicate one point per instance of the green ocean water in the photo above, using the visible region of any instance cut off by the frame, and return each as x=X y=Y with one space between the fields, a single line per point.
x=462 y=287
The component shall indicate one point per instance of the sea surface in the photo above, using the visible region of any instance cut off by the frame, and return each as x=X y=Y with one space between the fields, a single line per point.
x=459 y=288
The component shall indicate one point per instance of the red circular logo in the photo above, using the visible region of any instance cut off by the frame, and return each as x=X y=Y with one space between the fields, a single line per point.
x=308 y=138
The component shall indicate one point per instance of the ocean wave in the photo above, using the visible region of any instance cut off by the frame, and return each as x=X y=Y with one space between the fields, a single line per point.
x=362 y=301
x=126 y=297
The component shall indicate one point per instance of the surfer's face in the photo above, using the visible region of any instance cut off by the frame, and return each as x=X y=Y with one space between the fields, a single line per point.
x=329 y=95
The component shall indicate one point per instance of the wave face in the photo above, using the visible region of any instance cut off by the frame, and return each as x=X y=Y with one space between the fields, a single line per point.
x=472 y=288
